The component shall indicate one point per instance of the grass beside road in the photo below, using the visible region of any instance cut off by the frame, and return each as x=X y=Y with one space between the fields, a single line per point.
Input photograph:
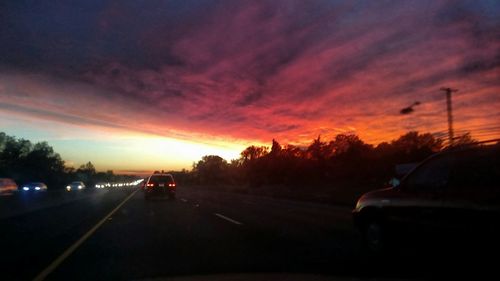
x=343 y=194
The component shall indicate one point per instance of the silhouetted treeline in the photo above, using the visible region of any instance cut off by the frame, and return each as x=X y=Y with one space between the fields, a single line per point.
x=344 y=159
x=25 y=162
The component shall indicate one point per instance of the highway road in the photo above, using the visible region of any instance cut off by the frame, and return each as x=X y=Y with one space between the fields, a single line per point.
x=117 y=235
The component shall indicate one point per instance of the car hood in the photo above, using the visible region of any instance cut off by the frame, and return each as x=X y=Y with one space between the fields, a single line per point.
x=376 y=197
x=379 y=193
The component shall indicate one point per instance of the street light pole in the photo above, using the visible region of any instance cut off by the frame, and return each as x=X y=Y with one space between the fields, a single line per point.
x=448 y=92
x=409 y=109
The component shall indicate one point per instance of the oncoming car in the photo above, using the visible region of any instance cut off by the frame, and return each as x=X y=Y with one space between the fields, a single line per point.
x=34 y=186
x=76 y=185
x=160 y=185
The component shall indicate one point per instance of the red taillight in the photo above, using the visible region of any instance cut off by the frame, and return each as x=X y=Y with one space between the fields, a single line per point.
x=171 y=184
x=150 y=184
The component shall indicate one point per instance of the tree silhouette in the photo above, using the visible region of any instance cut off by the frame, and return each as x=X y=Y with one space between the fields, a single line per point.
x=211 y=169
x=86 y=173
x=317 y=150
x=342 y=161
x=463 y=140
x=275 y=148
x=253 y=152
x=26 y=162
x=413 y=147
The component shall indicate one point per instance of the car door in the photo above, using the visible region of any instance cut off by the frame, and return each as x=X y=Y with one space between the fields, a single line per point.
x=473 y=196
x=422 y=192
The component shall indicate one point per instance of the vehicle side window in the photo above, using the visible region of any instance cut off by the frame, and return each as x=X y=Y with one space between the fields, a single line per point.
x=431 y=176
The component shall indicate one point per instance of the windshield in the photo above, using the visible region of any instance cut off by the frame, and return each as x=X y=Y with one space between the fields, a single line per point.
x=161 y=179
x=264 y=139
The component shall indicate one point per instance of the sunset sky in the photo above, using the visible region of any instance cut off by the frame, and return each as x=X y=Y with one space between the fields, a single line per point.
x=144 y=85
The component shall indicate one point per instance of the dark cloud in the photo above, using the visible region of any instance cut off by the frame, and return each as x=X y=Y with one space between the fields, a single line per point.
x=61 y=117
x=250 y=69
x=280 y=128
x=480 y=65
x=249 y=98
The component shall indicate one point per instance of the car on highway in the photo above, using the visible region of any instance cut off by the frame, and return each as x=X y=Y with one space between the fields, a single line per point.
x=33 y=186
x=76 y=185
x=449 y=194
x=160 y=185
x=7 y=186
x=101 y=185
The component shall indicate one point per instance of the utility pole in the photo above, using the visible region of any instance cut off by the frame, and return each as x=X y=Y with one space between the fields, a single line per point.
x=448 y=92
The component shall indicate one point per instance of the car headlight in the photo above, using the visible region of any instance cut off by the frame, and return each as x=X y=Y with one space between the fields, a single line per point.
x=26 y=188
x=37 y=188
x=68 y=188
x=80 y=187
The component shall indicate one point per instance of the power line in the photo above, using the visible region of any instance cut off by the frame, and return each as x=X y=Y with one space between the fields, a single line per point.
x=481 y=127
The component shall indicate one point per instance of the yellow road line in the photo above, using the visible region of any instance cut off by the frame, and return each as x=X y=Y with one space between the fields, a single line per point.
x=49 y=269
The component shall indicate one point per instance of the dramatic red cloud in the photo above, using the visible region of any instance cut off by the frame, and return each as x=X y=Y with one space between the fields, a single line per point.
x=254 y=71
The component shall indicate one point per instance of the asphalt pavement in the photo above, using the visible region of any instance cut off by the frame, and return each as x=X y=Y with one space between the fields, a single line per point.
x=117 y=235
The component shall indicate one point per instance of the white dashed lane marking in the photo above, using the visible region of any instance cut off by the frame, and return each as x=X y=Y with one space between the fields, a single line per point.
x=228 y=219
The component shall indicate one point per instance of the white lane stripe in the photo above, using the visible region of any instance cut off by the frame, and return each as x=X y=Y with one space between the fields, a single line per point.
x=183 y=200
x=228 y=219
x=42 y=275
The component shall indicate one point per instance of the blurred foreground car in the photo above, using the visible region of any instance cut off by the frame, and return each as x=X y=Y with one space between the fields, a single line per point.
x=76 y=185
x=455 y=193
x=34 y=186
x=160 y=185
x=7 y=186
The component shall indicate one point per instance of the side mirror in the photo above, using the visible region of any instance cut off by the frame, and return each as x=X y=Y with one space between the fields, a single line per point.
x=394 y=182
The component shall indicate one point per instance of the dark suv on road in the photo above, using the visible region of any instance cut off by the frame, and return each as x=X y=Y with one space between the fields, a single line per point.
x=455 y=193
x=160 y=185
